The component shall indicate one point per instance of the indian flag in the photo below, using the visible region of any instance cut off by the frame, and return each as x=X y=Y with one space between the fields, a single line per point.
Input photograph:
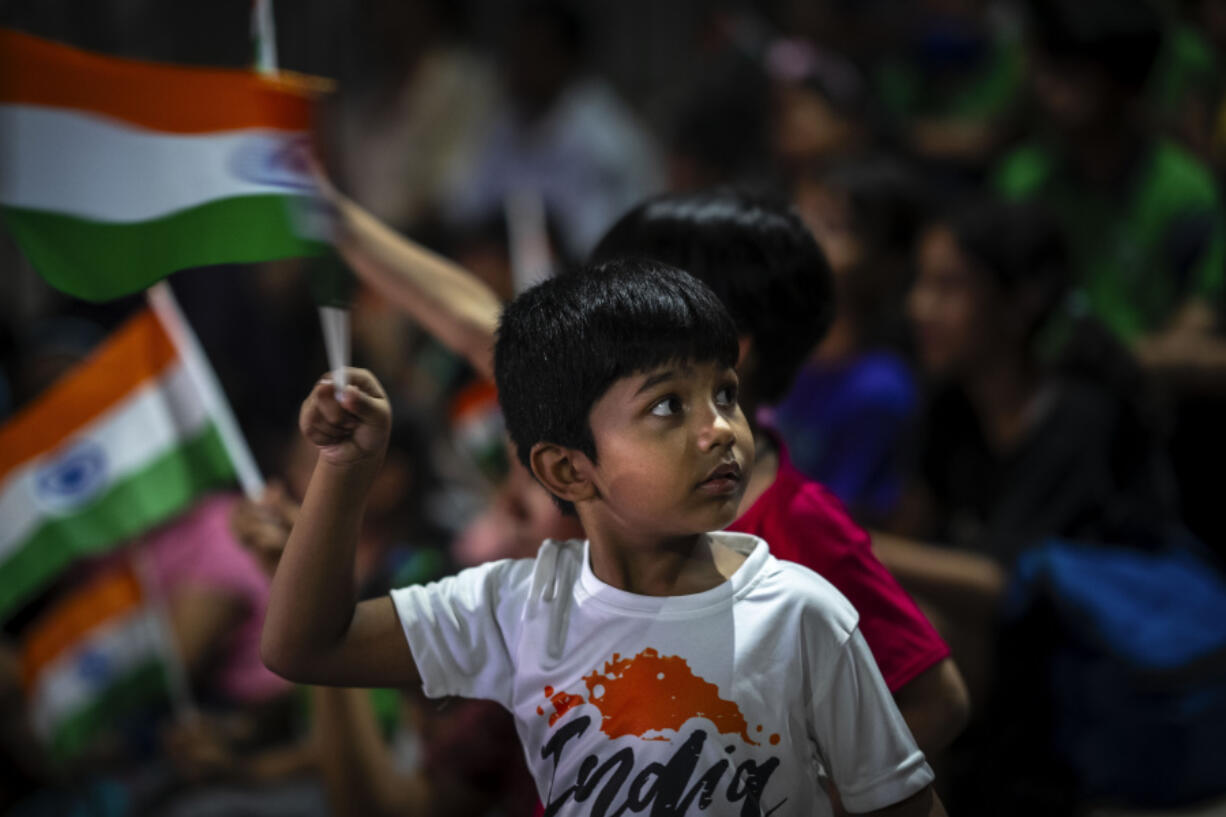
x=115 y=173
x=99 y=654
x=124 y=441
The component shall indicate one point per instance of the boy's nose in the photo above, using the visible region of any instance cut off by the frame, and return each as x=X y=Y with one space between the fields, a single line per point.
x=717 y=431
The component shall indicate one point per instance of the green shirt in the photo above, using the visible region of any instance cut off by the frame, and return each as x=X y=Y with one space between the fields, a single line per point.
x=1139 y=249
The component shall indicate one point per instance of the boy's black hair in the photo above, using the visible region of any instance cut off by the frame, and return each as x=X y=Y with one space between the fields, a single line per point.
x=564 y=342
x=757 y=256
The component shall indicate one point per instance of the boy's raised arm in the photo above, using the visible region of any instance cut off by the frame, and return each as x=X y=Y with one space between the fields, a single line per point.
x=314 y=632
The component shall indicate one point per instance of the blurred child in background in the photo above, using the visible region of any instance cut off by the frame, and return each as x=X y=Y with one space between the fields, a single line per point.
x=1035 y=429
x=849 y=416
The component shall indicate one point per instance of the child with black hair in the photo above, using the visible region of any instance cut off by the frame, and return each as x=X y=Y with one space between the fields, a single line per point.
x=655 y=665
x=1032 y=434
x=1037 y=424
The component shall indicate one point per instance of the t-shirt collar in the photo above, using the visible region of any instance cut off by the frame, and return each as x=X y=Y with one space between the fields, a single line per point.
x=722 y=594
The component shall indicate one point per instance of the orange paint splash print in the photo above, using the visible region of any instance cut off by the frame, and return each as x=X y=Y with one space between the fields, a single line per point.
x=653 y=692
x=651 y=697
x=562 y=703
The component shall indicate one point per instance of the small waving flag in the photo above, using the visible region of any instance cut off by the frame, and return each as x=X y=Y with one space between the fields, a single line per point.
x=122 y=442
x=98 y=656
x=115 y=173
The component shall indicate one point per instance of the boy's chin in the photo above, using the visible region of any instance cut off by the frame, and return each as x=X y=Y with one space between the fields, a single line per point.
x=726 y=516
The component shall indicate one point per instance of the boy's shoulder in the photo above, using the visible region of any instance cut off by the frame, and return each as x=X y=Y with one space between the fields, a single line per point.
x=792 y=586
x=784 y=591
x=543 y=577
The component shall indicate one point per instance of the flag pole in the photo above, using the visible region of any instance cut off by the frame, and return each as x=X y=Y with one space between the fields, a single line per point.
x=333 y=315
x=162 y=300
x=265 y=37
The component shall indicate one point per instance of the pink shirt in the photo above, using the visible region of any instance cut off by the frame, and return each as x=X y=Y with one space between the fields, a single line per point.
x=804 y=523
x=199 y=550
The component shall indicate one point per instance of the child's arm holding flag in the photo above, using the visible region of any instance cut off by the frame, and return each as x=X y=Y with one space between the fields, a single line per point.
x=314 y=631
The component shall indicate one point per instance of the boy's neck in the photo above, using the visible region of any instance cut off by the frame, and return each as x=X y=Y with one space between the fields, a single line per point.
x=678 y=567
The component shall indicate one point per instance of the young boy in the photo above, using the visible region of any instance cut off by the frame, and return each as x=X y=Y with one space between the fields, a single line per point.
x=769 y=272
x=656 y=665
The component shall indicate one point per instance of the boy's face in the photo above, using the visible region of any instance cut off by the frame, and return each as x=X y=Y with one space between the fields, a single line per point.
x=674 y=454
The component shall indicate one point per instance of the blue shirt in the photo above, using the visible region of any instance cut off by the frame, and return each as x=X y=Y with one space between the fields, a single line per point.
x=846 y=426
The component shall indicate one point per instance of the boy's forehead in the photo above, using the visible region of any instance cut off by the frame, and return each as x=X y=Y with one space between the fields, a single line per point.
x=626 y=390
x=643 y=379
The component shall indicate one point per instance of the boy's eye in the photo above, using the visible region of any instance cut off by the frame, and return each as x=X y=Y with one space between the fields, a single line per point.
x=667 y=407
x=726 y=396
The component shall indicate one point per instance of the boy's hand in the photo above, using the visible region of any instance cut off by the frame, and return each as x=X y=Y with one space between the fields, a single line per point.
x=354 y=430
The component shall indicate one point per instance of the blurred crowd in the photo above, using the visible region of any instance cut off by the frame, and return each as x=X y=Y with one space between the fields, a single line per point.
x=1022 y=391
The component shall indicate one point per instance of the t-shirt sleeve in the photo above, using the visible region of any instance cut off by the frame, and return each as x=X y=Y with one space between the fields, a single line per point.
x=461 y=630
x=865 y=744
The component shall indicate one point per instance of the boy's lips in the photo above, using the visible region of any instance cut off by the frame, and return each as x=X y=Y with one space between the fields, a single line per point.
x=723 y=479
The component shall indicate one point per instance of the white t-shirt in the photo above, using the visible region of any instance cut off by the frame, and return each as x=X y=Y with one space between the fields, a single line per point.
x=729 y=701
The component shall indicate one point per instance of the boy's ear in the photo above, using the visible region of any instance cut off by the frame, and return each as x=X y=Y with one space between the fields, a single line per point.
x=561 y=471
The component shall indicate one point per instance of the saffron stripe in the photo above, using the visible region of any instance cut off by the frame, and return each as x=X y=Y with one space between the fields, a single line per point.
x=105 y=598
x=138 y=351
x=158 y=417
x=172 y=98
x=78 y=676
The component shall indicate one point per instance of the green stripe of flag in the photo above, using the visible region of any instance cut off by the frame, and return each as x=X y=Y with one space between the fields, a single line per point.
x=99 y=261
x=141 y=688
x=139 y=501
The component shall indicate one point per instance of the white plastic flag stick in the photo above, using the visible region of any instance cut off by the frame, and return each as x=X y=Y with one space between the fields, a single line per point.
x=162 y=300
x=265 y=37
x=335 y=322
